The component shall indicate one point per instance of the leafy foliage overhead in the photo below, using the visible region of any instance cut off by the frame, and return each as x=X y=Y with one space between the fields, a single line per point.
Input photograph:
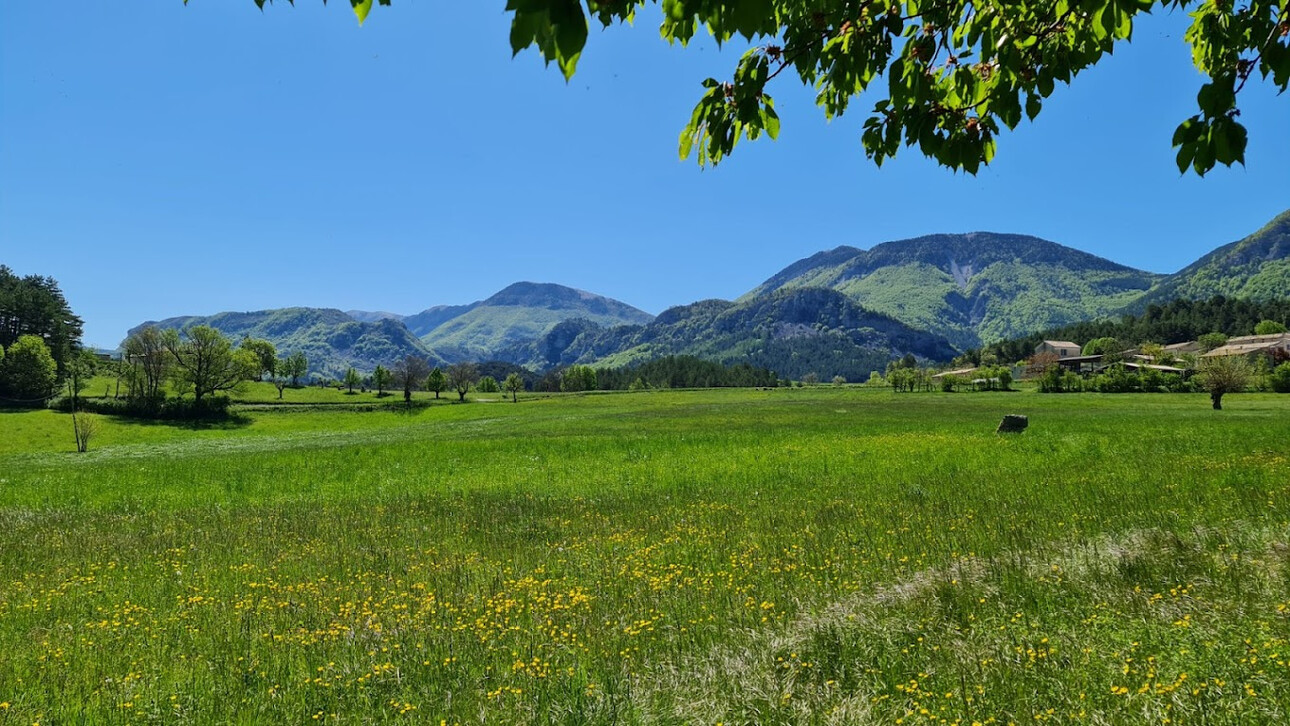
x=948 y=75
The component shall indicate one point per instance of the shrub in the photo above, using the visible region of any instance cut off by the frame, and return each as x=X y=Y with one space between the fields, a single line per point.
x=1151 y=380
x=1117 y=379
x=169 y=409
x=1279 y=379
x=487 y=384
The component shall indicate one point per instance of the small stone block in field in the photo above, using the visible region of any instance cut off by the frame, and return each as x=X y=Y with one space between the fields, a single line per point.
x=1013 y=424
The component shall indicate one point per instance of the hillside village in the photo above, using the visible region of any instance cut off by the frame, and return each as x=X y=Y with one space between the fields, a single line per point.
x=1105 y=365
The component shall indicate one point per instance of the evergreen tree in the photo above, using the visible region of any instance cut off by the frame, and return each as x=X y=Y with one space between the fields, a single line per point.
x=33 y=305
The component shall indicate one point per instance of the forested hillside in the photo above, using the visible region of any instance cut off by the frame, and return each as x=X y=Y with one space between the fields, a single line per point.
x=1254 y=268
x=971 y=287
x=844 y=311
x=792 y=332
x=331 y=339
x=518 y=314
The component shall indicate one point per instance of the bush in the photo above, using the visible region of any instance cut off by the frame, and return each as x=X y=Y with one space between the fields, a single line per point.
x=1151 y=380
x=1116 y=379
x=1279 y=379
x=169 y=409
x=1050 y=381
x=487 y=384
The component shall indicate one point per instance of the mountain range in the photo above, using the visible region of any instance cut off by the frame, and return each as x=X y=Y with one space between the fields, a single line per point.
x=844 y=311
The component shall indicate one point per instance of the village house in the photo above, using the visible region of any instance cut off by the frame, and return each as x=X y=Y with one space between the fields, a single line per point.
x=1059 y=348
x=1276 y=345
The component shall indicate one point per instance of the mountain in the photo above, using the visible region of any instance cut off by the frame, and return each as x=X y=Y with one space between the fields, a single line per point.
x=972 y=288
x=794 y=332
x=518 y=314
x=1254 y=268
x=331 y=339
x=431 y=318
x=372 y=316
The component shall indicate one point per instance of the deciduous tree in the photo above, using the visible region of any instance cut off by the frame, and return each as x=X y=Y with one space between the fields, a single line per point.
x=437 y=382
x=29 y=373
x=1223 y=375
x=279 y=377
x=77 y=374
x=1269 y=327
x=264 y=352
x=296 y=366
x=381 y=378
x=513 y=385
x=409 y=373
x=461 y=376
x=1210 y=341
x=352 y=378
x=146 y=355
x=205 y=361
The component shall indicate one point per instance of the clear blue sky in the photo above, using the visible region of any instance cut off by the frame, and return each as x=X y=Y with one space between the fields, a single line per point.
x=159 y=160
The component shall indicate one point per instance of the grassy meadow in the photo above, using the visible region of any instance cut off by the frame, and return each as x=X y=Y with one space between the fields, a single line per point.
x=790 y=556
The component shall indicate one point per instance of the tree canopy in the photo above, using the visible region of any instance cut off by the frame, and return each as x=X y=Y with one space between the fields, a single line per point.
x=29 y=372
x=956 y=72
x=33 y=305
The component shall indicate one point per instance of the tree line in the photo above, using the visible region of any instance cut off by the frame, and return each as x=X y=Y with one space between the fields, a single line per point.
x=673 y=371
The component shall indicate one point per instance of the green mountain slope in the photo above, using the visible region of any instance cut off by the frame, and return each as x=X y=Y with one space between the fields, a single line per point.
x=518 y=314
x=793 y=332
x=331 y=339
x=971 y=287
x=1254 y=268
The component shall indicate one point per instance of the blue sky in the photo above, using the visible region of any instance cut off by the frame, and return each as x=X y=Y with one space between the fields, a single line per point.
x=160 y=160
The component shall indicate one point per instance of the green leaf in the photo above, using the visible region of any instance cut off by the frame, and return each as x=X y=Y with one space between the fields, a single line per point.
x=570 y=34
x=1033 y=105
x=1186 y=153
x=770 y=119
x=361 y=9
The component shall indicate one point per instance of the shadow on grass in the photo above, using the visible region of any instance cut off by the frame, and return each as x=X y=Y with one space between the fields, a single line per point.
x=20 y=409
x=230 y=422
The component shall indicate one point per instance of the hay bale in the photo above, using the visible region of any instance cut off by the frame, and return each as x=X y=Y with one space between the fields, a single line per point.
x=1013 y=424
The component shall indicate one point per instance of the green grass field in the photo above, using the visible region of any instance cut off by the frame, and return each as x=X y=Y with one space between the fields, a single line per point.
x=827 y=555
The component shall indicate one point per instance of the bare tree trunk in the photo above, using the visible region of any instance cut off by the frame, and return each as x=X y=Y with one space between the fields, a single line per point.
x=1217 y=398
